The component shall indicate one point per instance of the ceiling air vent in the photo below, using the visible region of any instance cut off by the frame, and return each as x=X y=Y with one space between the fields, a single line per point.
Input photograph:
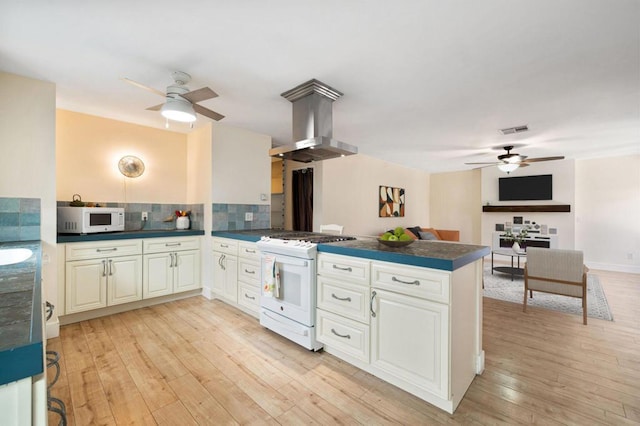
x=512 y=130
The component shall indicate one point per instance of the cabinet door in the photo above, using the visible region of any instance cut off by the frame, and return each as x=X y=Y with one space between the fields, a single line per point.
x=225 y=276
x=86 y=285
x=186 y=270
x=410 y=340
x=124 y=280
x=157 y=275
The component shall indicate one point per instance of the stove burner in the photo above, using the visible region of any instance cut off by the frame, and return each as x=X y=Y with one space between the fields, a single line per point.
x=311 y=237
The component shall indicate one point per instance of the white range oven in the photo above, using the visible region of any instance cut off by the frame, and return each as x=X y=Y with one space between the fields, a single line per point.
x=288 y=277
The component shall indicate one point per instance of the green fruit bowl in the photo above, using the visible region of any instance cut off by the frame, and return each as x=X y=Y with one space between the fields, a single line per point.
x=395 y=243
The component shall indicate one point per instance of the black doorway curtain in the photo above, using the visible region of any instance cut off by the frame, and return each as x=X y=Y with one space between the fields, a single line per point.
x=302 y=187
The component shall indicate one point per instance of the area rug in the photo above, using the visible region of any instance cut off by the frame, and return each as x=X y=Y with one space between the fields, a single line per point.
x=499 y=286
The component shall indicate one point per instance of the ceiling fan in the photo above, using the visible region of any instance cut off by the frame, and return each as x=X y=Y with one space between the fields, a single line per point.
x=511 y=161
x=181 y=103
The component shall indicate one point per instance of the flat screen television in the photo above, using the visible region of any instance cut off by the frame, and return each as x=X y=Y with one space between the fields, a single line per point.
x=538 y=187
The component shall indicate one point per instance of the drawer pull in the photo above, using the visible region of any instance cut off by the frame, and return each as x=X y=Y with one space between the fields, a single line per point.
x=249 y=297
x=172 y=244
x=249 y=272
x=348 y=269
x=344 y=336
x=344 y=299
x=107 y=249
x=373 y=296
x=224 y=245
x=415 y=282
x=249 y=251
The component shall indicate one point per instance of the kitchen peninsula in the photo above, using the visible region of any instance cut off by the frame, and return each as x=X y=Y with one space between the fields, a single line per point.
x=409 y=315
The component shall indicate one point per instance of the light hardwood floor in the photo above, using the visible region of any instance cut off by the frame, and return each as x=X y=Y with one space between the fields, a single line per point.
x=202 y=362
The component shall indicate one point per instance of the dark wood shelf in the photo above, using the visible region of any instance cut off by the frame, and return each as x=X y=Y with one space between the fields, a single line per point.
x=554 y=208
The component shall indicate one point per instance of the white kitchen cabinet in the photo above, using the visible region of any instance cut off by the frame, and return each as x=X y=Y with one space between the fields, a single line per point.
x=225 y=269
x=171 y=265
x=409 y=340
x=100 y=274
x=249 y=283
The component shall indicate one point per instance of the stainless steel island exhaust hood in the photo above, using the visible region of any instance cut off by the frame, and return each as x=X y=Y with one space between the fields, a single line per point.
x=312 y=125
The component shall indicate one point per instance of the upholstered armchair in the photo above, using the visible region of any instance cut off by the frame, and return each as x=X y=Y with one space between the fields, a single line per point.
x=556 y=271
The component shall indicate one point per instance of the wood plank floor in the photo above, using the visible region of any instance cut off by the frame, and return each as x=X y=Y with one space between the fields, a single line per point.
x=202 y=362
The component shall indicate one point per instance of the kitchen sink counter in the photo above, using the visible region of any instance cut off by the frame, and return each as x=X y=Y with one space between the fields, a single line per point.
x=443 y=255
x=128 y=235
x=21 y=344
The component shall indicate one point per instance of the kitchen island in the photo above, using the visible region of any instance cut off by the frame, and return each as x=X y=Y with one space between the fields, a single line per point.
x=410 y=315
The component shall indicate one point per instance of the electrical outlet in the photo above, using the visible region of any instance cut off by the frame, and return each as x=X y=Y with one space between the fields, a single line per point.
x=248 y=216
x=145 y=215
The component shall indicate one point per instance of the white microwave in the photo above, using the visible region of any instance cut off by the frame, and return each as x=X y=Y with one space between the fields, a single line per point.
x=87 y=220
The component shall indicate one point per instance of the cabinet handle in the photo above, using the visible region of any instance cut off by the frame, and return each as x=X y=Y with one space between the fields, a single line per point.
x=344 y=336
x=249 y=251
x=171 y=265
x=110 y=267
x=104 y=268
x=249 y=297
x=373 y=296
x=172 y=244
x=348 y=269
x=224 y=245
x=415 y=282
x=107 y=249
x=344 y=299
x=249 y=272
x=222 y=258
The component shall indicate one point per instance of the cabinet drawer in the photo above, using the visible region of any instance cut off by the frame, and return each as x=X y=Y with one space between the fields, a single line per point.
x=348 y=336
x=351 y=301
x=344 y=267
x=225 y=245
x=100 y=249
x=161 y=245
x=249 y=271
x=249 y=296
x=425 y=283
x=248 y=250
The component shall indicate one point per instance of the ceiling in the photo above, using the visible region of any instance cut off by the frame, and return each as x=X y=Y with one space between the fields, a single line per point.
x=426 y=83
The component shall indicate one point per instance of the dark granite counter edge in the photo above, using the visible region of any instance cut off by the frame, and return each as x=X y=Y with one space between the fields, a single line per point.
x=27 y=360
x=127 y=235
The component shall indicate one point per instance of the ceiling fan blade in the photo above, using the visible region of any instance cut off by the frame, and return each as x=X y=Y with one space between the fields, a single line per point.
x=142 y=86
x=155 y=107
x=207 y=112
x=534 y=160
x=200 y=95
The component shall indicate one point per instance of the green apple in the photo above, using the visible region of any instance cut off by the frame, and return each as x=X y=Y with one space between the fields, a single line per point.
x=393 y=238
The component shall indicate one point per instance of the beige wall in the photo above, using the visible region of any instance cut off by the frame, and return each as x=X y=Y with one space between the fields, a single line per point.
x=241 y=166
x=346 y=192
x=27 y=169
x=454 y=204
x=88 y=149
x=608 y=212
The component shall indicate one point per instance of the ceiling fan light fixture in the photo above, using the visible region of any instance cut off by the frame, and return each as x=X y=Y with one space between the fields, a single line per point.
x=178 y=110
x=508 y=167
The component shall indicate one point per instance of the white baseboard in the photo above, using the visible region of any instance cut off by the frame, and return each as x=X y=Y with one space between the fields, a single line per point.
x=52 y=328
x=630 y=269
x=206 y=292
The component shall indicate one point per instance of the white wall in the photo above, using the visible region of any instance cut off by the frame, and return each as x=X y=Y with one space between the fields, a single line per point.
x=241 y=166
x=563 y=193
x=455 y=203
x=27 y=165
x=349 y=190
x=608 y=212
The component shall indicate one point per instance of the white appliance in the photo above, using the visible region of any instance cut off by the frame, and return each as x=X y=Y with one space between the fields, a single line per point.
x=290 y=308
x=87 y=220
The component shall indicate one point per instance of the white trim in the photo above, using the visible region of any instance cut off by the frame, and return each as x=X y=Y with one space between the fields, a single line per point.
x=630 y=269
x=206 y=292
x=52 y=329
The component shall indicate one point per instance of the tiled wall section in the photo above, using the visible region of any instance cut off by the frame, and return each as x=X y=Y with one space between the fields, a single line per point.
x=230 y=217
x=19 y=219
x=161 y=216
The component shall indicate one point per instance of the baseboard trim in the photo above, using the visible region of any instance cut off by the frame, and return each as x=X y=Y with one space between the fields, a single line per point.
x=629 y=269
x=52 y=329
x=206 y=292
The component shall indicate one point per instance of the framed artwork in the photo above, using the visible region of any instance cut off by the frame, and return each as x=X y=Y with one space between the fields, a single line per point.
x=391 y=201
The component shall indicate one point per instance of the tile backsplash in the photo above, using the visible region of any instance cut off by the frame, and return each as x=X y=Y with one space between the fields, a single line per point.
x=19 y=219
x=161 y=216
x=231 y=217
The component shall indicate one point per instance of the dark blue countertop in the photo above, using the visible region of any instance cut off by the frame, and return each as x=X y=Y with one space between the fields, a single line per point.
x=21 y=316
x=127 y=235
x=443 y=255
